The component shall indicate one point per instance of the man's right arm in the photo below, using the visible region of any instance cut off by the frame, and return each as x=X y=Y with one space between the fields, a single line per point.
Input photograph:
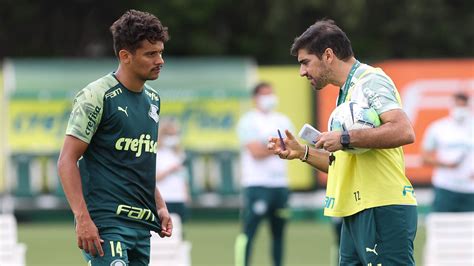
x=87 y=233
x=72 y=150
x=294 y=150
x=319 y=159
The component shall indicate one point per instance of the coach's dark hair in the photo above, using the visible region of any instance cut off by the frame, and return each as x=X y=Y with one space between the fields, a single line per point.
x=135 y=26
x=322 y=35
x=260 y=86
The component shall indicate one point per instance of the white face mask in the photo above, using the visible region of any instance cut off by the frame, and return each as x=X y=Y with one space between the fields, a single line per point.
x=460 y=114
x=171 y=141
x=267 y=102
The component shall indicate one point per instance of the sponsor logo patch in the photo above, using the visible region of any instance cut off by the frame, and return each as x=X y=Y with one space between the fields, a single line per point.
x=138 y=145
x=153 y=113
x=92 y=120
x=118 y=262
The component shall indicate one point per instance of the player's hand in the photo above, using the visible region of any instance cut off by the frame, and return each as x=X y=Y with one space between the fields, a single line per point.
x=88 y=238
x=329 y=141
x=166 y=223
x=293 y=149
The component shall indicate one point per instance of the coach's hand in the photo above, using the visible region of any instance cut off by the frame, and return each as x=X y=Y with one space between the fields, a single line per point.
x=88 y=238
x=166 y=223
x=294 y=150
x=329 y=141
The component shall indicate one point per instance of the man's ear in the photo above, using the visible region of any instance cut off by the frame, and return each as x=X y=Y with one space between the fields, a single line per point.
x=328 y=55
x=124 y=56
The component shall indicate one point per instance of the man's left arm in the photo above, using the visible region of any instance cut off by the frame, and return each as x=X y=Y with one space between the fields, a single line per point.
x=166 y=223
x=395 y=131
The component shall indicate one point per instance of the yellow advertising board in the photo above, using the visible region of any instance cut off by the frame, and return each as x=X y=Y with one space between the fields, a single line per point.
x=2 y=135
x=295 y=100
x=37 y=126
x=207 y=124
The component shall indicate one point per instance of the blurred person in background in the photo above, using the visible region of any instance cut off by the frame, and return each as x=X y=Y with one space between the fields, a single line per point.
x=370 y=190
x=448 y=146
x=336 y=223
x=264 y=176
x=109 y=147
x=171 y=174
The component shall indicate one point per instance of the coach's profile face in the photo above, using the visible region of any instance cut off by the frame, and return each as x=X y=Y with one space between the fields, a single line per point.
x=146 y=61
x=314 y=69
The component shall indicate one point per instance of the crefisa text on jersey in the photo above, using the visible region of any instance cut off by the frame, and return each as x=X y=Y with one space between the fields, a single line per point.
x=136 y=145
x=92 y=119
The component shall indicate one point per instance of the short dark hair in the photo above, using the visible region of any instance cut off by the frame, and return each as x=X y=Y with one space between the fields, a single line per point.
x=461 y=96
x=322 y=35
x=259 y=87
x=135 y=26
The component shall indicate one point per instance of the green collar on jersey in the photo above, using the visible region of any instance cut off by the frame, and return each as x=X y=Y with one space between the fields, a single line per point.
x=345 y=88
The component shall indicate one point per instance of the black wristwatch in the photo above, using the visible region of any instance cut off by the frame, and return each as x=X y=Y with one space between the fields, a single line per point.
x=345 y=139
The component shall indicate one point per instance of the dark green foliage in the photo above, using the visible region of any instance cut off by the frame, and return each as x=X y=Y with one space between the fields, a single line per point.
x=378 y=29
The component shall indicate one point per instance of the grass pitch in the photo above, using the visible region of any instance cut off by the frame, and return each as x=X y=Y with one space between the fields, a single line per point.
x=307 y=243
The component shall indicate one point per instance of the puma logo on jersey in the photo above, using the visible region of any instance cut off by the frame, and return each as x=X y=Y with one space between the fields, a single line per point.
x=123 y=110
x=372 y=250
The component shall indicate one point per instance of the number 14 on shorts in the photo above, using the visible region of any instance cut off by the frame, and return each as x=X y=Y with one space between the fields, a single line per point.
x=116 y=248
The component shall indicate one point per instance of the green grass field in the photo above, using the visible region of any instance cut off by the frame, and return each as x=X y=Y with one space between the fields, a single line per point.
x=307 y=243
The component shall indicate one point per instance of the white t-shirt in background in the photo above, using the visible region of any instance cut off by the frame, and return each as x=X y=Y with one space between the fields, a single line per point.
x=453 y=142
x=257 y=126
x=173 y=186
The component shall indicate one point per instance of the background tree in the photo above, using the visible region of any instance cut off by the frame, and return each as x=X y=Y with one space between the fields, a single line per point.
x=379 y=29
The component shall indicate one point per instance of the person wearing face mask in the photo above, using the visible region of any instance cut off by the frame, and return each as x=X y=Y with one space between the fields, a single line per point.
x=171 y=174
x=264 y=176
x=448 y=147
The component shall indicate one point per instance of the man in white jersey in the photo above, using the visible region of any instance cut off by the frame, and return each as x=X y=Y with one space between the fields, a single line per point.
x=171 y=174
x=368 y=190
x=264 y=176
x=448 y=146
